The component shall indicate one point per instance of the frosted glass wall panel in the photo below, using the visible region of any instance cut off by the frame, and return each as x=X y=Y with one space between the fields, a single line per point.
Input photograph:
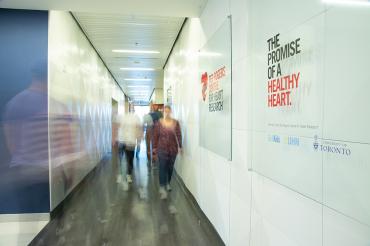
x=215 y=104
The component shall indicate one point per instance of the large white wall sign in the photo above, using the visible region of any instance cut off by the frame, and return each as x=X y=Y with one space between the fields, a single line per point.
x=215 y=103
x=287 y=109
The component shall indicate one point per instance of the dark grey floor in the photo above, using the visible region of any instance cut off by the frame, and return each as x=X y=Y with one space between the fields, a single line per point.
x=101 y=213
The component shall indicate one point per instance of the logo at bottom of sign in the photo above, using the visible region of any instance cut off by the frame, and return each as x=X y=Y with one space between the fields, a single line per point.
x=331 y=147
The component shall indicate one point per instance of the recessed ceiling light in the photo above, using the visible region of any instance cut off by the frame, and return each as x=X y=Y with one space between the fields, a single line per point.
x=209 y=54
x=137 y=51
x=348 y=2
x=139 y=91
x=138 y=79
x=137 y=68
x=139 y=24
x=138 y=86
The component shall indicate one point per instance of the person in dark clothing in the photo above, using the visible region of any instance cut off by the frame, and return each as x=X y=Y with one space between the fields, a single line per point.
x=156 y=116
x=166 y=145
x=150 y=121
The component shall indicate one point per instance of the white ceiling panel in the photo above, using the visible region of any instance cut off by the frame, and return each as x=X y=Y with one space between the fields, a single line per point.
x=174 y=8
x=109 y=32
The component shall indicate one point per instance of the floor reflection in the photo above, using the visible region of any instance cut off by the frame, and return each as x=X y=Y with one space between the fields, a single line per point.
x=102 y=212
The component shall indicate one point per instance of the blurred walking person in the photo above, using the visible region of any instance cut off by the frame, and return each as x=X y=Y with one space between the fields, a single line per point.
x=150 y=121
x=129 y=133
x=166 y=145
x=148 y=125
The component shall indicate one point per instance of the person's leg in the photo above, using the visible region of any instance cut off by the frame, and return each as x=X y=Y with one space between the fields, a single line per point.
x=171 y=164
x=148 y=149
x=137 y=149
x=163 y=175
x=162 y=170
x=119 y=166
x=121 y=152
x=130 y=160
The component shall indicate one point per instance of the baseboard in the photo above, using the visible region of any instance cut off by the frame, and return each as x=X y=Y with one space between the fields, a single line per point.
x=24 y=217
x=203 y=220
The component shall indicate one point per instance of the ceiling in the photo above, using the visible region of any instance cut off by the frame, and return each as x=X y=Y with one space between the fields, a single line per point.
x=174 y=8
x=126 y=25
x=132 y=34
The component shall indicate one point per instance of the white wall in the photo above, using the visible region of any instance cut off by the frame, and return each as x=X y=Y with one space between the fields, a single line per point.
x=157 y=97
x=80 y=105
x=221 y=188
x=278 y=194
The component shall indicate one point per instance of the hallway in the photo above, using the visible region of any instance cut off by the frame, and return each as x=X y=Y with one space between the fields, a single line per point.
x=264 y=103
x=101 y=212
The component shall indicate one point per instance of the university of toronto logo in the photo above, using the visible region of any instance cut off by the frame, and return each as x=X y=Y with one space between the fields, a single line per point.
x=315 y=144
x=333 y=147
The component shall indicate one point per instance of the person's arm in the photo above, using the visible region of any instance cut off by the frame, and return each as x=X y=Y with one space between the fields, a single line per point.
x=139 y=127
x=115 y=127
x=114 y=133
x=155 y=138
x=10 y=133
x=11 y=128
x=178 y=134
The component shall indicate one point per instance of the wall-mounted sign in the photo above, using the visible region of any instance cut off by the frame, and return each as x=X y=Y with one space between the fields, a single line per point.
x=215 y=94
x=287 y=109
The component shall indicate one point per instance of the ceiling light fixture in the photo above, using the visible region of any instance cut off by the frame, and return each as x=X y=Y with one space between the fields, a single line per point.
x=138 y=86
x=137 y=51
x=139 y=24
x=137 y=69
x=348 y=2
x=138 y=79
x=139 y=91
x=209 y=54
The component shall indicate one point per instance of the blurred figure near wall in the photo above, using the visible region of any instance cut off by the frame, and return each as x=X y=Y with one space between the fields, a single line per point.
x=25 y=128
x=128 y=135
x=67 y=149
x=34 y=137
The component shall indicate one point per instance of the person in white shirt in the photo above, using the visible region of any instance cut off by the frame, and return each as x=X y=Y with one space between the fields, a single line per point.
x=129 y=133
